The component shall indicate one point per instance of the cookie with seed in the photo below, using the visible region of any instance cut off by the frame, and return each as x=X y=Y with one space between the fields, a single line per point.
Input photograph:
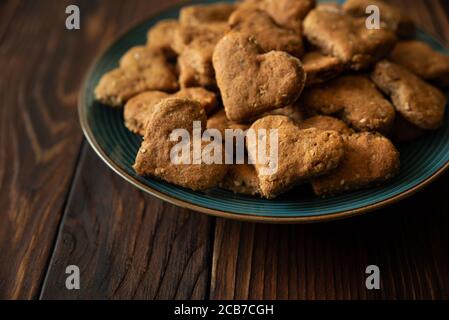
x=326 y=123
x=287 y=13
x=156 y=157
x=252 y=81
x=370 y=159
x=267 y=33
x=217 y=13
x=417 y=101
x=391 y=17
x=241 y=179
x=161 y=36
x=347 y=38
x=301 y=154
x=352 y=98
x=139 y=109
x=422 y=60
x=321 y=68
x=140 y=69
x=220 y=122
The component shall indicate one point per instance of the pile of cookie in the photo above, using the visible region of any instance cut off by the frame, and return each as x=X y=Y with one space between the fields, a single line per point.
x=341 y=95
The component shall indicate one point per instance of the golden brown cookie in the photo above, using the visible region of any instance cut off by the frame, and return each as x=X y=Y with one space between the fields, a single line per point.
x=369 y=159
x=220 y=122
x=241 y=179
x=195 y=46
x=154 y=156
x=293 y=111
x=417 y=101
x=206 y=14
x=326 y=123
x=161 y=36
x=321 y=68
x=141 y=69
x=268 y=34
x=353 y=98
x=253 y=82
x=347 y=38
x=422 y=60
x=391 y=16
x=287 y=13
x=139 y=109
x=302 y=154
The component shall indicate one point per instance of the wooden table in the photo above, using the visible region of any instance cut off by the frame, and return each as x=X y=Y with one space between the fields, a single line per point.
x=60 y=205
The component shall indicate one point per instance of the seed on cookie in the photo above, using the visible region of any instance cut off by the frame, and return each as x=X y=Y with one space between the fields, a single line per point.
x=140 y=69
x=281 y=75
x=417 y=101
x=422 y=60
x=268 y=34
x=138 y=109
x=347 y=38
x=391 y=16
x=370 y=159
x=353 y=98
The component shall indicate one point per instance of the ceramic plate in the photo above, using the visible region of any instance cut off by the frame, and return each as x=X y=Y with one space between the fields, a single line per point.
x=422 y=161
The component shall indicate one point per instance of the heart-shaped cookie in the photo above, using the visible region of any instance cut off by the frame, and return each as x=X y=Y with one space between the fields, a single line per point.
x=301 y=154
x=138 y=109
x=253 y=82
x=155 y=156
x=369 y=159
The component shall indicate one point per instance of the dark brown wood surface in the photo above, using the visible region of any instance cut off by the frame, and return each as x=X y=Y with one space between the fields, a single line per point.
x=60 y=204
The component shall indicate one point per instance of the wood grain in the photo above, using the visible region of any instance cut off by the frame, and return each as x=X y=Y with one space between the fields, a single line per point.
x=327 y=261
x=127 y=244
x=43 y=65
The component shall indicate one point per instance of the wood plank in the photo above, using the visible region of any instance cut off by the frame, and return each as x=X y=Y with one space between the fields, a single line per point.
x=43 y=65
x=127 y=244
x=327 y=261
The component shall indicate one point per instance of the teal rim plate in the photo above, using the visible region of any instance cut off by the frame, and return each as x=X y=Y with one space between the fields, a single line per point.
x=422 y=161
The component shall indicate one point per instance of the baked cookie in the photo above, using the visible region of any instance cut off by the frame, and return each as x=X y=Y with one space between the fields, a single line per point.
x=253 y=82
x=347 y=38
x=353 y=98
x=302 y=154
x=139 y=109
x=293 y=111
x=161 y=36
x=242 y=179
x=417 y=101
x=268 y=34
x=391 y=16
x=369 y=159
x=423 y=61
x=195 y=46
x=154 y=156
x=287 y=13
x=217 y=13
x=321 y=68
x=140 y=69
x=326 y=123
x=220 y=122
